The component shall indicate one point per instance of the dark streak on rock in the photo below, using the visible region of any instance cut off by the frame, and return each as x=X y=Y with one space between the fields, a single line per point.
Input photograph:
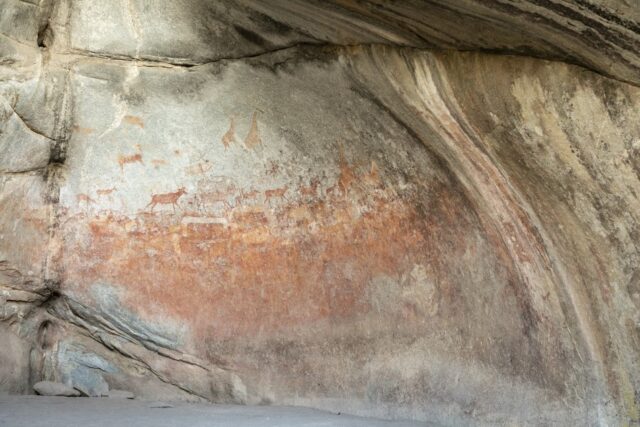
x=252 y=36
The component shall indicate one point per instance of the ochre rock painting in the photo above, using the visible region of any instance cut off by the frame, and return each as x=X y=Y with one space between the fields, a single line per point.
x=325 y=204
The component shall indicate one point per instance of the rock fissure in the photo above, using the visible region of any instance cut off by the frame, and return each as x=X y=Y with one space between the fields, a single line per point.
x=186 y=64
x=179 y=63
x=28 y=126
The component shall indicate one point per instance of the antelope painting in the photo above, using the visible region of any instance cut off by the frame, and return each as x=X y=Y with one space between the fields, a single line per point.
x=166 y=199
x=312 y=189
x=248 y=195
x=215 y=190
x=105 y=191
x=276 y=193
x=123 y=160
x=133 y=158
x=84 y=198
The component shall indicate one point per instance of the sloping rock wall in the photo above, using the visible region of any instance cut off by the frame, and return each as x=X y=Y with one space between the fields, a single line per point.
x=229 y=201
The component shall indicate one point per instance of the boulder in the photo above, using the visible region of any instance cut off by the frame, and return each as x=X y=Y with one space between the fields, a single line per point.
x=50 y=388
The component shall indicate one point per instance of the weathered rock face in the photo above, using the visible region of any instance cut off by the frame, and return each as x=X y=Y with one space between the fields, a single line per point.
x=199 y=201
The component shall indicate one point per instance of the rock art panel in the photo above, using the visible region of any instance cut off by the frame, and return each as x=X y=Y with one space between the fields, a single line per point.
x=372 y=229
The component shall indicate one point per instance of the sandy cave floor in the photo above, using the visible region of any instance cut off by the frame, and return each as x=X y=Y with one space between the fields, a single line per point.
x=35 y=411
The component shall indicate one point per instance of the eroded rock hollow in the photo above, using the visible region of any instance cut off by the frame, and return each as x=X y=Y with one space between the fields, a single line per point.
x=407 y=209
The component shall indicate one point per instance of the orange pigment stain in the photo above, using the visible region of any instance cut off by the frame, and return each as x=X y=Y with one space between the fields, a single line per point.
x=83 y=130
x=265 y=269
x=134 y=158
x=229 y=137
x=105 y=191
x=253 y=137
x=347 y=174
x=134 y=120
x=84 y=198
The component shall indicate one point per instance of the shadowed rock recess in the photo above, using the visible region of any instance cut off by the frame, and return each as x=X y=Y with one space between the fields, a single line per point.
x=420 y=209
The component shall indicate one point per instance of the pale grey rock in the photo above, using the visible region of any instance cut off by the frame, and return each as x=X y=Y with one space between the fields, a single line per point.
x=599 y=34
x=49 y=388
x=84 y=369
x=14 y=364
x=24 y=222
x=21 y=148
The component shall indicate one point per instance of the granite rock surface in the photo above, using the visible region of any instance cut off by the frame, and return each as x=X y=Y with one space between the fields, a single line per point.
x=423 y=209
